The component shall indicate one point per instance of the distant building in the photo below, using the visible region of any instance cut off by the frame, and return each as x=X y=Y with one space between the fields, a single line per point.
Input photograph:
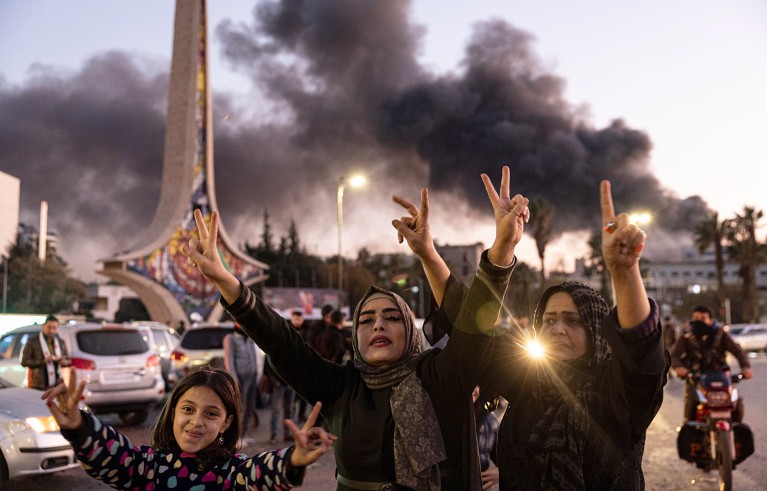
x=105 y=299
x=462 y=259
x=10 y=187
x=29 y=234
x=696 y=273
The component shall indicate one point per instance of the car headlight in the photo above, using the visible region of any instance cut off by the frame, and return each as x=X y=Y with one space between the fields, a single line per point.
x=16 y=426
x=46 y=424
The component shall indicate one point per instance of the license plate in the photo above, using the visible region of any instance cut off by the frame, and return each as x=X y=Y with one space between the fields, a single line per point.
x=720 y=414
x=115 y=377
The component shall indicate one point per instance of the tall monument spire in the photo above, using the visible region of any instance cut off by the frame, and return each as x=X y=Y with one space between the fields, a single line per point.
x=155 y=269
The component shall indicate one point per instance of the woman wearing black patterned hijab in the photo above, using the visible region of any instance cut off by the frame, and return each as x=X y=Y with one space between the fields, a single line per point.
x=578 y=416
x=584 y=383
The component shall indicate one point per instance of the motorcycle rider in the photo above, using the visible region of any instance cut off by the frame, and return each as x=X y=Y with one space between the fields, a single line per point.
x=704 y=347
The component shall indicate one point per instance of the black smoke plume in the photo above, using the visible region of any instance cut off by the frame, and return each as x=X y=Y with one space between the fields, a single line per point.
x=338 y=87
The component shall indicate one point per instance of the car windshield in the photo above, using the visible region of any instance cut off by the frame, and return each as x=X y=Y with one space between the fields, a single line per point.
x=736 y=330
x=205 y=338
x=110 y=343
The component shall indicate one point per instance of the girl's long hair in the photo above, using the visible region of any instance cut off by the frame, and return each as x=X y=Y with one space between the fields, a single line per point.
x=219 y=381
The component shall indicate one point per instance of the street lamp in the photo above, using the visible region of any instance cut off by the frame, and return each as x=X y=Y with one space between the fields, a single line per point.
x=355 y=182
x=5 y=283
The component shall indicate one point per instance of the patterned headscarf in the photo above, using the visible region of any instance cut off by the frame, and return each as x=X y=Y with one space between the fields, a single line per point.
x=559 y=437
x=592 y=308
x=418 y=445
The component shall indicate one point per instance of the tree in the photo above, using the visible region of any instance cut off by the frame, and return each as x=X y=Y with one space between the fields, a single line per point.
x=523 y=294
x=267 y=237
x=744 y=248
x=712 y=232
x=541 y=215
x=36 y=286
x=595 y=262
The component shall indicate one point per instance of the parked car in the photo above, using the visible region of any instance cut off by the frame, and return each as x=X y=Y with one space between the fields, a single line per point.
x=750 y=337
x=30 y=441
x=123 y=374
x=162 y=340
x=11 y=345
x=202 y=344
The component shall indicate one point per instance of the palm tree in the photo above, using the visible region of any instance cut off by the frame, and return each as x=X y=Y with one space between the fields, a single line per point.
x=596 y=263
x=541 y=215
x=745 y=249
x=713 y=232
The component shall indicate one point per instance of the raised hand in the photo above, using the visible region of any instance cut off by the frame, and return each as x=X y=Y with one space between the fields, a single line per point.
x=203 y=251
x=511 y=214
x=63 y=402
x=416 y=231
x=622 y=241
x=311 y=441
x=622 y=244
x=415 y=228
x=204 y=255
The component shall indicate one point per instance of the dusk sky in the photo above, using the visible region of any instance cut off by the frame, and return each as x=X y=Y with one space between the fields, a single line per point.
x=666 y=99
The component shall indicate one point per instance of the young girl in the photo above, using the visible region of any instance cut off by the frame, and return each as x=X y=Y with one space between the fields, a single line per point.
x=193 y=443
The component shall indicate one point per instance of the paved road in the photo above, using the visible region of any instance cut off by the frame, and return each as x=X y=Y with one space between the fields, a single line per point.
x=663 y=469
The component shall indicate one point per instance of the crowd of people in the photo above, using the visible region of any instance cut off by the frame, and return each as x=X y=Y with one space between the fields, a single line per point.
x=401 y=417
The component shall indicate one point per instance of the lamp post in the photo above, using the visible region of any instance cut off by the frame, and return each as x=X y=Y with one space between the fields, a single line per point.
x=354 y=182
x=5 y=283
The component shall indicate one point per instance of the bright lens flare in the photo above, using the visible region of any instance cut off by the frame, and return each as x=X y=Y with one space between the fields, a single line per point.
x=640 y=218
x=534 y=349
x=357 y=181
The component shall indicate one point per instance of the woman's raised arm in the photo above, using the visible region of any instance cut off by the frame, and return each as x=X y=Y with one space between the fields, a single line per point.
x=622 y=244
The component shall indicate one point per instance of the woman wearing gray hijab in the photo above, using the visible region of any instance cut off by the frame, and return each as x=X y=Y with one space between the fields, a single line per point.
x=403 y=417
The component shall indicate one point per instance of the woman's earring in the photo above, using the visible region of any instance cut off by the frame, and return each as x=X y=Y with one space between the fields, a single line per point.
x=221 y=439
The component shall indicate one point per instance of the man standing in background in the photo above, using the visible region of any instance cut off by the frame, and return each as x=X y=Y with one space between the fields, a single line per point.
x=44 y=356
x=241 y=359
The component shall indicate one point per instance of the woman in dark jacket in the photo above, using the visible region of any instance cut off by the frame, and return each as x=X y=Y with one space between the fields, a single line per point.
x=403 y=417
x=578 y=415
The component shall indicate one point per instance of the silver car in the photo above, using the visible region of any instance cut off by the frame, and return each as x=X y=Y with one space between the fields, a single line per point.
x=30 y=441
x=122 y=373
x=11 y=345
x=162 y=340
x=750 y=337
x=200 y=345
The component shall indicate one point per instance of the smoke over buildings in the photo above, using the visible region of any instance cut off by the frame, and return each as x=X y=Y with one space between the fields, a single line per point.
x=338 y=88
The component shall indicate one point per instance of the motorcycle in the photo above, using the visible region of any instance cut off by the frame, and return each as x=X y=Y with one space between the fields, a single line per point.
x=713 y=440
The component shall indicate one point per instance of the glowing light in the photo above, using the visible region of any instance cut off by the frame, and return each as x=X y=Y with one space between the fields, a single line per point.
x=45 y=424
x=357 y=181
x=535 y=349
x=641 y=218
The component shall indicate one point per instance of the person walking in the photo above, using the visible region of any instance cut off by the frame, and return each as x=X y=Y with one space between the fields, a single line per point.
x=330 y=343
x=44 y=356
x=241 y=359
x=281 y=398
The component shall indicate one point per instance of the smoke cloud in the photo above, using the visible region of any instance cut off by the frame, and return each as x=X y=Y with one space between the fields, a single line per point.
x=339 y=88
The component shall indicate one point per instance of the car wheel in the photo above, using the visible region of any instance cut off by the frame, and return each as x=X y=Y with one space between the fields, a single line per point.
x=132 y=418
x=3 y=470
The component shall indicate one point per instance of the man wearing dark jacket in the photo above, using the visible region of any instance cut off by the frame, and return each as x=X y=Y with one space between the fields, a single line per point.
x=44 y=355
x=704 y=347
